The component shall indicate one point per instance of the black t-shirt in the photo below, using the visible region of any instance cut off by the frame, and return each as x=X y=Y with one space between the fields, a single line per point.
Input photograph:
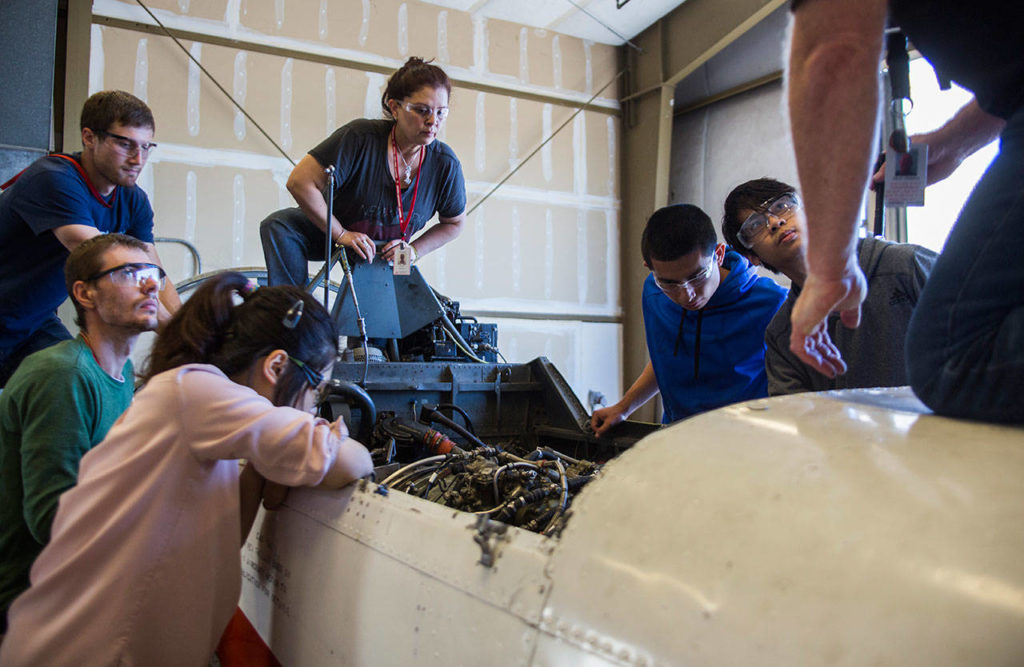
x=365 y=195
x=976 y=44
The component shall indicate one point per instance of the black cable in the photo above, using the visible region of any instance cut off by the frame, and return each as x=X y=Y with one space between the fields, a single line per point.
x=368 y=411
x=550 y=454
x=522 y=501
x=436 y=475
x=435 y=416
x=455 y=408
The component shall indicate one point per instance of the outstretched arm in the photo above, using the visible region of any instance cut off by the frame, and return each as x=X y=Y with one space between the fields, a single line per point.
x=833 y=106
x=643 y=390
x=445 y=231
x=963 y=135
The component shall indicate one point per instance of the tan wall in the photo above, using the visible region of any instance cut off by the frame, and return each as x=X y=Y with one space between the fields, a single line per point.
x=546 y=243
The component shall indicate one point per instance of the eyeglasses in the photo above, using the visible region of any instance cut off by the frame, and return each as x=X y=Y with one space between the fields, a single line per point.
x=314 y=377
x=756 y=223
x=133 y=275
x=426 y=111
x=128 y=147
x=670 y=286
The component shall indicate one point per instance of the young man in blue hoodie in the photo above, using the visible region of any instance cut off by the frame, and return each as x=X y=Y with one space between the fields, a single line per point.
x=705 y=312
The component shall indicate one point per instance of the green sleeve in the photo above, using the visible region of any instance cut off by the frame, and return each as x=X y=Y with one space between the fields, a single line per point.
x=58 y=426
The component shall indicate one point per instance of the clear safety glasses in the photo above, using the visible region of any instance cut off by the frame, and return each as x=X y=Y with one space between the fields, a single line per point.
x=129 y=147
x=425 y=111
x=757 y=223
x=671 y=286
x=134 y=275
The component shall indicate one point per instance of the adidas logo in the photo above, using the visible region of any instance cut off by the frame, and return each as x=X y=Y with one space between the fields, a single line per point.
x=897 y=297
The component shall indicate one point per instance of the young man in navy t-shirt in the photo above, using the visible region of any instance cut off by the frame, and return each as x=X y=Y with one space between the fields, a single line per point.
x=58 y=202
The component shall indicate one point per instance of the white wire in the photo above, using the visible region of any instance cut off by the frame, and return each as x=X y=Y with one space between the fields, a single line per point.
x=493 y=510
x=565 y=497
x=500 y=470
x=412 y=465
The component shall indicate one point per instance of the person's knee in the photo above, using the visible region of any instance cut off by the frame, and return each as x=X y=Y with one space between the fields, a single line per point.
x=925 y=384
x=289 y=224
x=972 y=381
x=272 y=227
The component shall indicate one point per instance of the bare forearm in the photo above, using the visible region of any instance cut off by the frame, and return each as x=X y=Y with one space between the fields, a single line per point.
x=72 y=235
x=170 y=302
x=969 y=130
x=312 y=203
x=642 y=390
x=833 y=104
x=440 y=234
x=353 y=462
x=306 y=184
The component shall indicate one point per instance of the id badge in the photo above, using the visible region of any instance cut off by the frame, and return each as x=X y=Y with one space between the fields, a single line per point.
x=906 y=175
x=401 y=261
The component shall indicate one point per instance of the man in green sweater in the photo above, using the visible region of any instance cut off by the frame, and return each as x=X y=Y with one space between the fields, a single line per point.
x=61 y=401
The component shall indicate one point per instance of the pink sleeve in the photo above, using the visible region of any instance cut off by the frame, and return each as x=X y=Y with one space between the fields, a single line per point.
x=224 y=420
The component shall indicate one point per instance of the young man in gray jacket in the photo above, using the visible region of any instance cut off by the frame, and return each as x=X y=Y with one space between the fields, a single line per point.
x=760 y=222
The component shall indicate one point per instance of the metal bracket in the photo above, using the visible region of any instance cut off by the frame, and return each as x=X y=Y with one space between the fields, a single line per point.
x=503 y=372
x=485 y=531
x=455 y=385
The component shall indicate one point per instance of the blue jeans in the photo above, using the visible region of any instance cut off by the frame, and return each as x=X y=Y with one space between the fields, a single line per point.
x=51 y=332
x=290 y=241
x=965 y=344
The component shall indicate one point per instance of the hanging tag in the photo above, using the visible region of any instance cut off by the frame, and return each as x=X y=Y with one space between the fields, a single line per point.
x=906 y=175
x=401 y=261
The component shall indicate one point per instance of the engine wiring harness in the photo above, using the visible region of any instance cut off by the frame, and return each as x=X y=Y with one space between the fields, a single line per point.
x=532 y=490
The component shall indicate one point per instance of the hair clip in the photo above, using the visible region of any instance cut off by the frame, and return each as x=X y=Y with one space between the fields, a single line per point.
x=249 y=288
x=294 y=314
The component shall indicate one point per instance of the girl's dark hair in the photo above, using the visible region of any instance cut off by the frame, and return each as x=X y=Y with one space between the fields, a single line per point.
x=213 y=328
x=413 y=75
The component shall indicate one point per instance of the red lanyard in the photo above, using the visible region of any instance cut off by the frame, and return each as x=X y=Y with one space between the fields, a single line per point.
x=404 y=224
x=81 y=171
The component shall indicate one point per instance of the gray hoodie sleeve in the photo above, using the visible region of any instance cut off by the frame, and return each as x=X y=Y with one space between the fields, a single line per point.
x=908 y=263
x=786 y=373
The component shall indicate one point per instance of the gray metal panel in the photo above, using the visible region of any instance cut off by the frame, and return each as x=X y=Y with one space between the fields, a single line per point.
x=13 y=160
x=530 y=402
x=27 y=38
x=393 y=306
